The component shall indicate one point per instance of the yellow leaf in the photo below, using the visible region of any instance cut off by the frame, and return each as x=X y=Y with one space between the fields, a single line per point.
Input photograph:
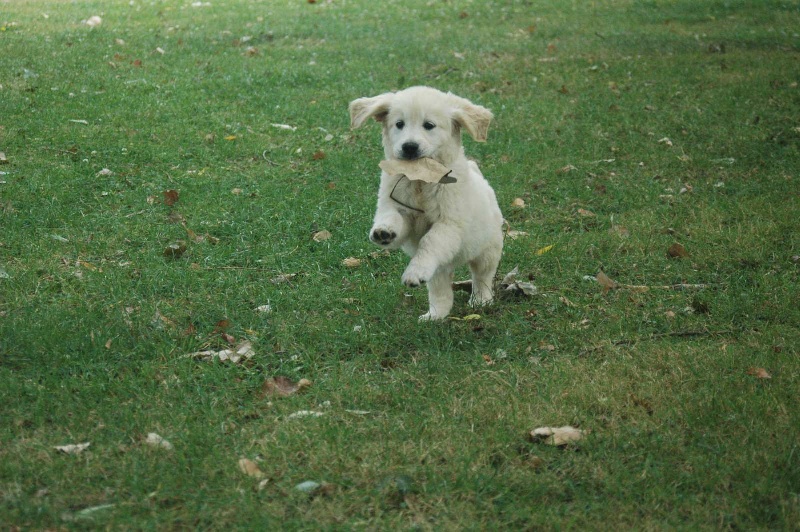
x=470 y=317
x=542 y=251
x=230 y=137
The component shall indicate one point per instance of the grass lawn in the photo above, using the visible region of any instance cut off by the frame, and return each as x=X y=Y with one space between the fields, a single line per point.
x=164 y=173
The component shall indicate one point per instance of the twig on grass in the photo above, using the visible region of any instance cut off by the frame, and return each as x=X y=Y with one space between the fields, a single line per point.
x=659 y=336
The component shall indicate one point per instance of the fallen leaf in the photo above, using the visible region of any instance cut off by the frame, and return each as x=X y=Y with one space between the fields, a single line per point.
x=251 y=469
x=510 y=283
x=586 y=213
x=101 y=173
x=305 y=413
x=285 y=126
x=605 y=282
x=566 y=169
x=518 y=203
x=620 y=231
x=352 y=262
x=283 y=386
x=176 y=218
x=236 y=191
x=73 y=448
x=759 y=373
x=513 y=234
x=665 y=141
x=510 y=277
x=677 y=251
x=488 y=360
x=309 y=486
x=318 y=155
x=321 y=236
x=93 y=21
x=542 y=251
x=264 y=309
x=170 y=197
x=3 y=159
x=241 y=353
x=566 y=301
x=175 y=250
x=230 y=137
x=558 y=436
x=157 y=441
x=283 y=278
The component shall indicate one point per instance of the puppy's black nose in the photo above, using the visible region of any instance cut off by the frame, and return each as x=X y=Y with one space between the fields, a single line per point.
x=410 y=150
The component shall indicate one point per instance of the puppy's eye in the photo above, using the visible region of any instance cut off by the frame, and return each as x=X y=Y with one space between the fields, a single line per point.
x=429 y=125
x=400 y=124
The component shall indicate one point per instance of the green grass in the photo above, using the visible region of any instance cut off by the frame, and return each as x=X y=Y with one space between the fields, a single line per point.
x=95 y=321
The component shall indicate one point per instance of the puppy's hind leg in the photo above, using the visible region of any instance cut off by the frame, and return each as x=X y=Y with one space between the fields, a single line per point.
x=440 y=294
x=483 y=269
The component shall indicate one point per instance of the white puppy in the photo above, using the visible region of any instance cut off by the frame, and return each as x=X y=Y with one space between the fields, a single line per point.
x=441 y=226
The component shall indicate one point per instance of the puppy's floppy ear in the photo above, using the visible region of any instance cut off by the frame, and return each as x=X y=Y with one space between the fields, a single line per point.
x=474 y=118
x=363 y=108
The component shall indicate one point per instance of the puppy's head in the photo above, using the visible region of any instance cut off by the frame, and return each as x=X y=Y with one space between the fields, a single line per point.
x=422 y=122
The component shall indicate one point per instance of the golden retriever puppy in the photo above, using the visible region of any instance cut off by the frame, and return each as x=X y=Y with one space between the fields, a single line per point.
x=440 y=225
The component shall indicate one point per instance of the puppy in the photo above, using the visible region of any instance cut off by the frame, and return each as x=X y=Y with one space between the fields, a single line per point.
x=440 y=226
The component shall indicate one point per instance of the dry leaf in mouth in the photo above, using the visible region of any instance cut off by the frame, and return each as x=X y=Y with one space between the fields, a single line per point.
x=283 y=386
x=424 y=169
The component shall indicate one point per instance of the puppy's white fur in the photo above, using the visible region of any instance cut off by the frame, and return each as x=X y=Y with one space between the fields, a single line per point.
x=441 y=226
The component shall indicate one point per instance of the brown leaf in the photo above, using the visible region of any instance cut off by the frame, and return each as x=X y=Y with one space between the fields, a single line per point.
x=558 y=436
x=251 y=469
x=606 y=282
x=283 y=386
x=759 y=373
x=677 y=251
x=321 y=236
x=170 y=197
x=586 y=213
x=175 y=250
x=318 y=156
x=352 y=262
x=619 y=231
x=518 y=203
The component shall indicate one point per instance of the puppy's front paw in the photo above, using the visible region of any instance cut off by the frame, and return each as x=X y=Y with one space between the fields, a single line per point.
x=382 y=236
x=413 y=276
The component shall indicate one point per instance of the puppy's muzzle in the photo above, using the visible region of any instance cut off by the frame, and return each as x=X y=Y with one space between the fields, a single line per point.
x=410 y=150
